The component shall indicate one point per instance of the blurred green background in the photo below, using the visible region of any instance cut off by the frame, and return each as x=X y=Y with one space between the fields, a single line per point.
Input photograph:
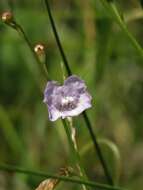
x=101 y=54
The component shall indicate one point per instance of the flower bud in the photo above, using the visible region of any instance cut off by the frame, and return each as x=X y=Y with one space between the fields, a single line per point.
x=7 y=17
x=39 y=49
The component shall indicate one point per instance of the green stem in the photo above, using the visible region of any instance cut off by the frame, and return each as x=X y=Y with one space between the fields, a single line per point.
x=69 y=72
x=75 y=154
x=46 y=60
x=115 y=152
x=22 y=33
x=111 y=7
x=98 y=149
x=116 y=155
x=57 y=38
x=72 y=140
x=10 y=168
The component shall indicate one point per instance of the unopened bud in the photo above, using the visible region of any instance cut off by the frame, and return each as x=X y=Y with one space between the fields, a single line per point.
x=7 y=17
x=39 y=49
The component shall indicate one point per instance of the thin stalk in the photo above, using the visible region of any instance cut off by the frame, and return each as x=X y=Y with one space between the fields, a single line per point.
x=74 y=150
x=69 y=72
x=57 y=38
x=62 y=70
x=97 y=147
x=46 y=60
x=11 y=168
x=22 y=33
x=111 y=7
x=70 y=132
x=72 y=141
x=115 y=152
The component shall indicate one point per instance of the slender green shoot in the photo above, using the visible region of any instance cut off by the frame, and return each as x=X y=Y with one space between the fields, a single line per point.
x=112 y=9
x=69 y=72
x=74 y=151
x=22 y=33
x=12 y=169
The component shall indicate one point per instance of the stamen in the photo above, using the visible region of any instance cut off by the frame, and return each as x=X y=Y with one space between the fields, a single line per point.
x=67 y=100
x=67 y=103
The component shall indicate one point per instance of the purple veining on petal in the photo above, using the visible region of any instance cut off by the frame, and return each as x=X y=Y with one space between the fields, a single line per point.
x=76 y=83
x=68 y=100
x=83 y=104
x=48 y=93
x=54 y=114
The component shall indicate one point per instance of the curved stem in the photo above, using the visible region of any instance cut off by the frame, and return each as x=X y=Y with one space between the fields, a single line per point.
x=69 y=72
x=22 y=33
x=112 y=9
x=116 y=155
x=10 y=168
x=98 y=150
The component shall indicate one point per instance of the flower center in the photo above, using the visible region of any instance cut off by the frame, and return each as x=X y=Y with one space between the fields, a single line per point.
x=67 y=103
x=67 y=100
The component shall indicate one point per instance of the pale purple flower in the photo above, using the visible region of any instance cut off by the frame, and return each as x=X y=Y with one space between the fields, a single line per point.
x=68 y=100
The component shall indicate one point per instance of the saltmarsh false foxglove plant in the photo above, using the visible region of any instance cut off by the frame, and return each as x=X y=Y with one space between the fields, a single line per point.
x=68 y=100
x=69 y=105
x=85 y=116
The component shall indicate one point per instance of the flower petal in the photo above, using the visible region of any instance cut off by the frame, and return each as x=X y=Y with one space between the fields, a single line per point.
x=84 y=103
x=54 y=114
x=68 y=100
x=76 y=83
x=50 y=87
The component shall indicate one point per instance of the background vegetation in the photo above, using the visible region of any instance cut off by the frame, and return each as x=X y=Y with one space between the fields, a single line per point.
x=100 y=53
